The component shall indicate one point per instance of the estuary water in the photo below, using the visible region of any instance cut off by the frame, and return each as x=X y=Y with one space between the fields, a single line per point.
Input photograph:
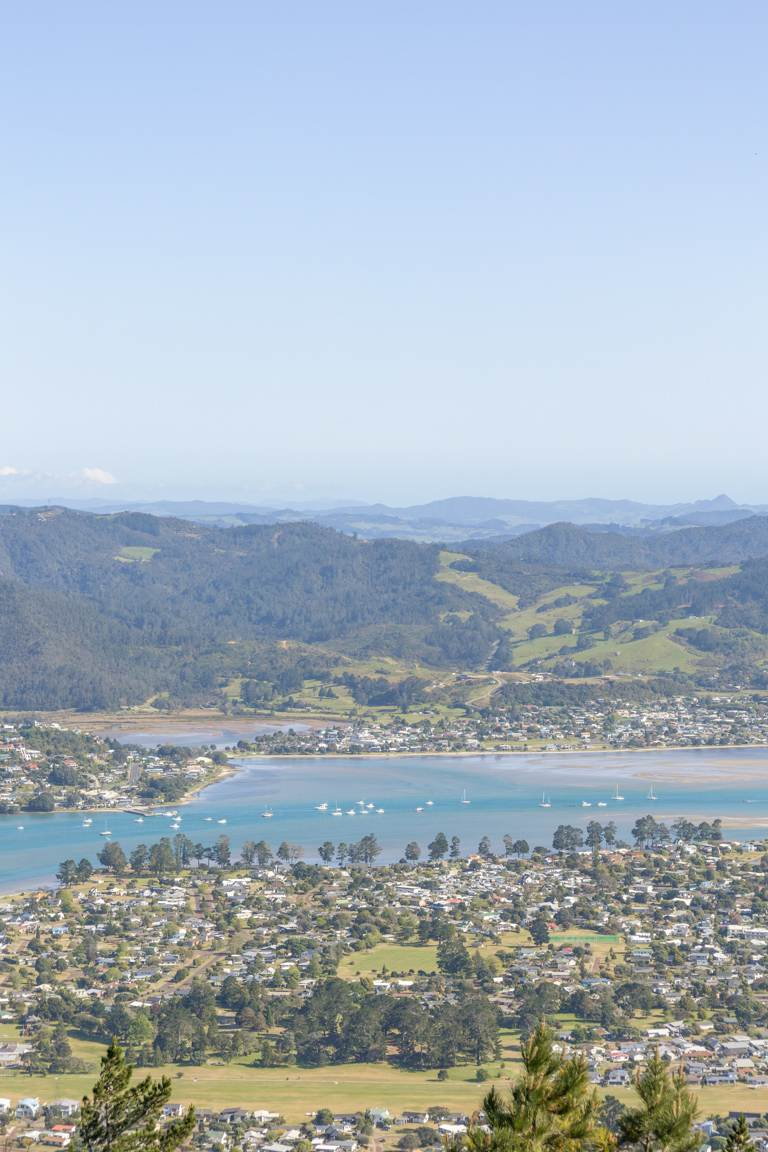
x=420 y=796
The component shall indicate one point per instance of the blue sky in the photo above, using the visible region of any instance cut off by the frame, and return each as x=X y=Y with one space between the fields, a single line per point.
x=392 y=251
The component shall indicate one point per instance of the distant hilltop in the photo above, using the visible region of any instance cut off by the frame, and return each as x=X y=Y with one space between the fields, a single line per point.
x=452 y=520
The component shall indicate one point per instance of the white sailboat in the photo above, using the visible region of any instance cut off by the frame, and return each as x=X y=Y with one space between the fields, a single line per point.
x=586 y=803
x=106 y=831
x=651 y=794
x=267 y=814
x=464 y=797
x=544 y=802
x=616 y=795
x=337 y=811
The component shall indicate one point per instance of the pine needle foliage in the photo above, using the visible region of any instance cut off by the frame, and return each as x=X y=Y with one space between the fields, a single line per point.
x=550 y=1108
x=118 y=1117
x=664 y=1118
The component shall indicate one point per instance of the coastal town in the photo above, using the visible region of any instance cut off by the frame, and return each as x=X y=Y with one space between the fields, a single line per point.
x=603 y=723
x=271 y=972
x=48 y=767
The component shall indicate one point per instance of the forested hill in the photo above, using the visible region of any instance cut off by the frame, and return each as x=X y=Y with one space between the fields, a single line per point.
x=572 y=546
x=100 y=610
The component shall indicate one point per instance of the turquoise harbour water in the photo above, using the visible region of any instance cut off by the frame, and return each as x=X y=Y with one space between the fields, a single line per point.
x=504 y=794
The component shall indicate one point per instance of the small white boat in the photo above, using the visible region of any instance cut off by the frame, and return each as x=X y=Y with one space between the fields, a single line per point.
x=430 y=803
x=208 y=818
x=419 y=809
x=222 y=821
x=464 y=797
x=19 y=827
x=369 y=806
x=616 y=795
x=139 y=820
x=380 y=811
x=267 y=814
x=87 y=822
x=106 y=832
x=175 y=824
x=651 y=794
x=337 y=811
x=586 y=803
x=602 y=804
x=544 y=803
x=321 y=807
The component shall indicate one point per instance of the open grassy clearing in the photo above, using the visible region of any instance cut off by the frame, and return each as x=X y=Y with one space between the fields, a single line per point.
x=659 y=652
x=136 y=554
x=422 y=957
x=471 y=582
x=545 y=611
x=391 y=958
x=298 y=1092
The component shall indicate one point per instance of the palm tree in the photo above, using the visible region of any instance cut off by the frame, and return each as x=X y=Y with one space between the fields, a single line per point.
x=551 y=1107
x=664 y=1120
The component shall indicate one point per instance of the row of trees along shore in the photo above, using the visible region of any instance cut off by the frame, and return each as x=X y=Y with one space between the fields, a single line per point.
x=171 y=855
x=550 y=1107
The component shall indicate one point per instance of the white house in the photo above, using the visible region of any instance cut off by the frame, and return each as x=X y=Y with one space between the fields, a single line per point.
x=28 y=1108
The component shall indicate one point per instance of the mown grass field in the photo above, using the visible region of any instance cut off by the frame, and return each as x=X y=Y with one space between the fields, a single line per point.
x=390 y=957
x=298 y=1092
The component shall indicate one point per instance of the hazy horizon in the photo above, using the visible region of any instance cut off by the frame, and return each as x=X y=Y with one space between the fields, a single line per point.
x=34 y=490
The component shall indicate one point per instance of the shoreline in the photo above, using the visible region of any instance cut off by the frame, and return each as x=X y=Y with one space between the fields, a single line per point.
x=602 y=751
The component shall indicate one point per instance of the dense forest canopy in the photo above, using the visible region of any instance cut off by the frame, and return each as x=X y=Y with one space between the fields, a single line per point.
x=99 y=610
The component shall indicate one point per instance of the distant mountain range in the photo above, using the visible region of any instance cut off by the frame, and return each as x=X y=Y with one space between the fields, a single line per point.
x=452 y=520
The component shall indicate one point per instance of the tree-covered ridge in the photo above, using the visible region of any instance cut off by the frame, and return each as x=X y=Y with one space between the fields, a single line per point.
x=98 y=610
x=102 y=610
x=581 y=548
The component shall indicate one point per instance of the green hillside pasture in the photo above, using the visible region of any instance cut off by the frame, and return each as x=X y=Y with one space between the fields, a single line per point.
x=544 y=612
x=659 y=652
x=471 y=582
x=543 y=648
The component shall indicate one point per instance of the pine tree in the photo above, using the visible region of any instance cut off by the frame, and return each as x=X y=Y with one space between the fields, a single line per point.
x=120 y=1118
x=664 y=1120
x=738 y=1137
x=551 y=1107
